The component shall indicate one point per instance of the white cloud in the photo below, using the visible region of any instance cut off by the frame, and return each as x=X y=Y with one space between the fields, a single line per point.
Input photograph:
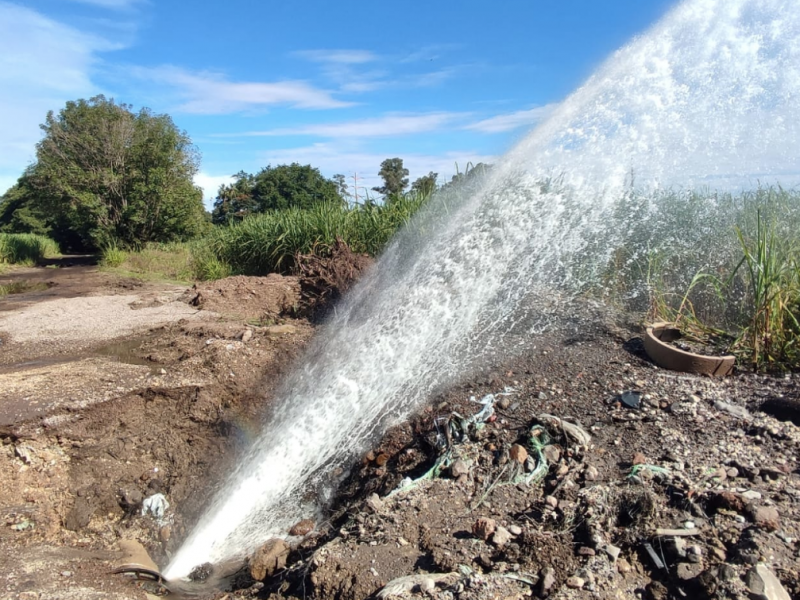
x=211 y=93
x=331 y=158
x=346 y=57
x=386 y=126
x=42 y=65
x=210 y=184
x=514 y=120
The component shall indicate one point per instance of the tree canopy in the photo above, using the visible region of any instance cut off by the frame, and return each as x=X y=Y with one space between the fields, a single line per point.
x=105 y=174
x=395 y=177
x=273 y=188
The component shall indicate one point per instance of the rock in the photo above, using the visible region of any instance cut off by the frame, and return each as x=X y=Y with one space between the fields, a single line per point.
x=268 y=558
x=515 y=530
x=459 y=468
x=247 y=335
x=575 y=583
x=591 y=473
x=586 y=551
x=381 y=459
x=165 y=533
x=518 y=453
x=727 y=573
x=656 y=590
x=303 y=527
x=551 y=501
x=751 y=495
x=501 y=537
x=623 y=566
x=613 y=551
x=729 y=501
x=504 y=403
x=687 y=571
x=79 y=516
x=484 y=527
x=130 y=498
x=763 y=585
x=766 y=517
x=280 y=329
x=547 y=581
x=375 y=503
x=639 y=459
x=733 y=410
x=542 y=395
x=552 y=454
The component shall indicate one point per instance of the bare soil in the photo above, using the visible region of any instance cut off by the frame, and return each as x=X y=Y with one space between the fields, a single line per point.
x=91 y=429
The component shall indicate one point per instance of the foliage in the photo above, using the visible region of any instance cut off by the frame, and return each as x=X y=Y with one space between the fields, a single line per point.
x=270 y=242
x=25 y=248
x=395 y=177
x=425 y=184
x=112 y=256
x=274 y=188
x=18 y=214
x=104 y=174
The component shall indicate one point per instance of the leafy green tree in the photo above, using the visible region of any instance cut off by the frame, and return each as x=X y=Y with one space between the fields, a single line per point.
x=18 y=214
x=104 y=174
x=395 y=177
x=426 y=184
x=294 y=185
x=235 y=201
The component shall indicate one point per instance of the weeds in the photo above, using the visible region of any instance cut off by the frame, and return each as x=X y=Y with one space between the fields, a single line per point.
x=26 y=249
x=112 y=256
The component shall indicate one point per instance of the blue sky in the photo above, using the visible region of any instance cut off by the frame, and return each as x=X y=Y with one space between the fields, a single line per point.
x=338 y=85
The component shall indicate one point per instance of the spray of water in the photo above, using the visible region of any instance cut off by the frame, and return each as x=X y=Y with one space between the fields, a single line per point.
x=710 y=95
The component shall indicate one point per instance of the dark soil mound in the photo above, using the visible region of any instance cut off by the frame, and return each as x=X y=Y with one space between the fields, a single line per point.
x=325 y=277
x=249 y=298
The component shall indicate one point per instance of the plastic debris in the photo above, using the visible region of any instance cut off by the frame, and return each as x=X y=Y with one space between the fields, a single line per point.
x=737 y=411
x=405 y=585
x=155 y=505
x=654 y=557
x=631 y=399
x=636 y=469
x=574 y=432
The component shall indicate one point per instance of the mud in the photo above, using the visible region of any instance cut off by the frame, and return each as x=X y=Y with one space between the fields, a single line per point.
x=88 y=433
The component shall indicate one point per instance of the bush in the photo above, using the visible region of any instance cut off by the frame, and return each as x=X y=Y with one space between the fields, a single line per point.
x=26 y=248
x=112 y=256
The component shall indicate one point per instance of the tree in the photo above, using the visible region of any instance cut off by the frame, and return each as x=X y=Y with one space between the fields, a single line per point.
x=341 y=185
x=395 y=177
x=426 y=184
x=294 y=185
x=104 y=174
x=235 y=201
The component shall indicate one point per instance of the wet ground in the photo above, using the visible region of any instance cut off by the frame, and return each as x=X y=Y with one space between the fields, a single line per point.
x=88 y=435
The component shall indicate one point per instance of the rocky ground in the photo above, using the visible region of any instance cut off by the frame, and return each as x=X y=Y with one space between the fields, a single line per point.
x=562 y=490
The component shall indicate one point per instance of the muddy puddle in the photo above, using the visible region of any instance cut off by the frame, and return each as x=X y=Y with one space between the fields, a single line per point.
x=127 y=352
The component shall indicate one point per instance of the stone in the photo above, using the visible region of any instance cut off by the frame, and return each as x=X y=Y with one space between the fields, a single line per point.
x=518 y=453
x=551 y=501
x=501 y=537
x=381 y=459
x=280 y=329
x=79 y=516
x=302 y=527
x=656 y=590
x=729 y=501
x=591 y=473
x=766 y=517
x=575 y=583
x=375 y=503
x=165 y=533
x=623 y=566
x=427 y=586
x=130 y=498
x=586 y=551
x=552 y=454
x=247 y=335
x=613 y=551
x=763 y=584
x=484 y=527
x=639 y=459
x=459 y=468
x=751 y=495
x=515 y=530
x=687 y=571
x=547 y=580
x=268 y=558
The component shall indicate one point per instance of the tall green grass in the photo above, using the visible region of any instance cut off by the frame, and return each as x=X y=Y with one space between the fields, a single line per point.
x=26 y=248
x=269 y=242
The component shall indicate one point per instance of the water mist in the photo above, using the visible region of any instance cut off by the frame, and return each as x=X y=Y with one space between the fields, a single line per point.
x=708 y=96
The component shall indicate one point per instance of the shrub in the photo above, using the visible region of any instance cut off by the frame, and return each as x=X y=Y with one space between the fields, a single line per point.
x=26 y=248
